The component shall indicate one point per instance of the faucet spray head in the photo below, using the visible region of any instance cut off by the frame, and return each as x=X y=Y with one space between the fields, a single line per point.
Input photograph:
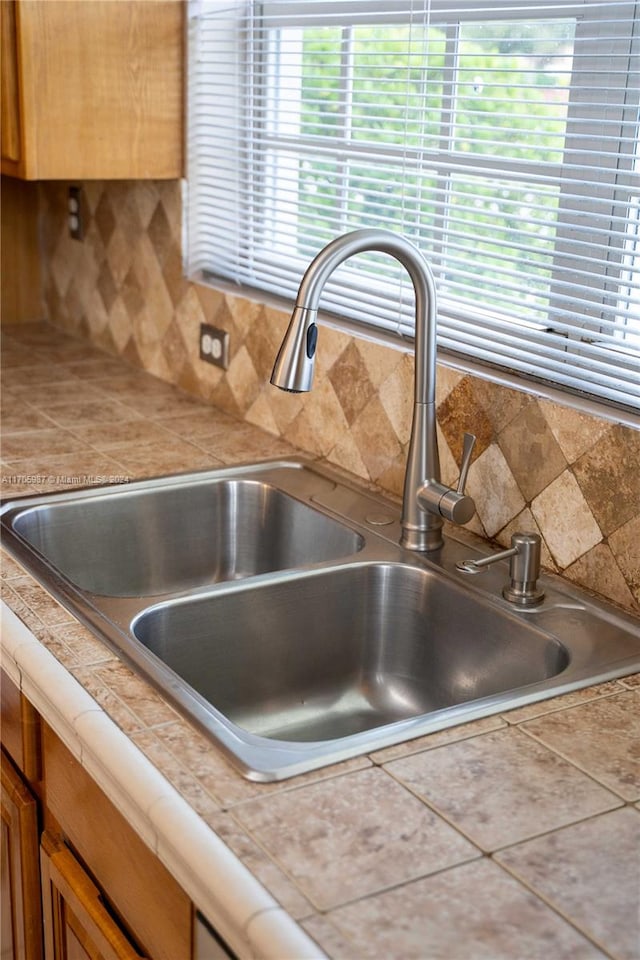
x=293 y=369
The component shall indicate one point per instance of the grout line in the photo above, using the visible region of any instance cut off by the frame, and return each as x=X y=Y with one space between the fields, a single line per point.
x=279 y=787
x=490 y=851
x=433 y=807
x=270 y=858
x=327 y=911
x=553 y=830
x=578 y=766
x=561 y=708
x=556 y=908
x=323 y=911
x=470 y=735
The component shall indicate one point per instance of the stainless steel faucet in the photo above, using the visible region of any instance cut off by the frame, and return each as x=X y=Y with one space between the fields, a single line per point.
x=426 y=499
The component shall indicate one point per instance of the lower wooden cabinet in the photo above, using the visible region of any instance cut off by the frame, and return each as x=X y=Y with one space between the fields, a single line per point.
x=77 y=882
x=142 y=895
x=21 y=914
x=77 y=924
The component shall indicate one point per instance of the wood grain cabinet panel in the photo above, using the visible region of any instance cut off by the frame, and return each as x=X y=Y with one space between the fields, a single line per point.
x=21 y=291
x=142 y=893
x=92 y=89
x=20 y=895
x=81 y=884
x=77 y=924
x=10 y=113
x=20 y=731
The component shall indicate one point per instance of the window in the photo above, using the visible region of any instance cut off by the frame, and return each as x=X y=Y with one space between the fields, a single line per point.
x=500 y=137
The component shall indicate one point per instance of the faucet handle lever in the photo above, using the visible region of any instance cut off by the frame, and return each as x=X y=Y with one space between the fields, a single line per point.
x=465 y=463
x=454 y=505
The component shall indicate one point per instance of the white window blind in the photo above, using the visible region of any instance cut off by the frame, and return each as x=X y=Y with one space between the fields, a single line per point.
x=501 y=137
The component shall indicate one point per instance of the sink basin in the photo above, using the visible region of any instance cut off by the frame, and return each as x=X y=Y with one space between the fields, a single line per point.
x=341 y=651
x=272 y=604
x=158 y=539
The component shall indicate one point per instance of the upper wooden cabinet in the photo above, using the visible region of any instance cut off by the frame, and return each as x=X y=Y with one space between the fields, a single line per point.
x=92 y=89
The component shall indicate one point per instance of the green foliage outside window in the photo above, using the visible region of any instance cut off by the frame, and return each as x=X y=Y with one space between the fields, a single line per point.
x=508 y=98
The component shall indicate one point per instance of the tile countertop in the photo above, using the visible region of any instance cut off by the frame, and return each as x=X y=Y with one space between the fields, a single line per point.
x=510 y=837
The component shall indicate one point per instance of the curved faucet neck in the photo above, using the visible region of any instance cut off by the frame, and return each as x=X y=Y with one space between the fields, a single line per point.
x=381 y=241
x=426 y=500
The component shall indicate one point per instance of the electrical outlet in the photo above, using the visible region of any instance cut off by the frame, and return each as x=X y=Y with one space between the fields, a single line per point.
x=214 y=345
x=74 y=213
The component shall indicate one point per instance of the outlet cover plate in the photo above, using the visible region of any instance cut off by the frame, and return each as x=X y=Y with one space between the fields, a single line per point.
x=214 y=345
x=75 y=213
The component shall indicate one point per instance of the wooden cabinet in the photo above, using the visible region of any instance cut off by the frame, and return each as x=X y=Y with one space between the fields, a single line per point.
x=87 y=888
x=146 y=900
x=21 y=915
x=10 y=113
x=21 y=299
x=21 y=732
x=92 y=89
x=77 y=924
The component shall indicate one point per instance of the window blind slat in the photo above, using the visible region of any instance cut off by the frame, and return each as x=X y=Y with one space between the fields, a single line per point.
x=501 y=137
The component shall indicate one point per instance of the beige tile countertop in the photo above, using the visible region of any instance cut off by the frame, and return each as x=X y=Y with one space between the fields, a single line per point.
x=511 y=837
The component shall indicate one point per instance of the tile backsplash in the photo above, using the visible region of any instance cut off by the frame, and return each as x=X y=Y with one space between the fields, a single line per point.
x=538 y=465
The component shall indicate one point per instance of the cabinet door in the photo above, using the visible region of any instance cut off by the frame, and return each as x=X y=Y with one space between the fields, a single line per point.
x=143 y=894
x=77 y=924
x=21 y=915
x=10 y=113
x=20 y=721
x=99 y=89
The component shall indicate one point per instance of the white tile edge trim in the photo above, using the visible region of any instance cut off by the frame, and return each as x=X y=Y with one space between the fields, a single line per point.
x=222 y=888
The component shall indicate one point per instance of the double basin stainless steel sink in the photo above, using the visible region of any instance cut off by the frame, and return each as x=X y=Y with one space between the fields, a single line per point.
x=273 y=605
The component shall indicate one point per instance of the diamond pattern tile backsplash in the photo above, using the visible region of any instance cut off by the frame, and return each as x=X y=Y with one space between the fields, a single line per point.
x=538 y=465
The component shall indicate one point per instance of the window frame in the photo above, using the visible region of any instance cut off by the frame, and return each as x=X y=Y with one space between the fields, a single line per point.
x=623 y=173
